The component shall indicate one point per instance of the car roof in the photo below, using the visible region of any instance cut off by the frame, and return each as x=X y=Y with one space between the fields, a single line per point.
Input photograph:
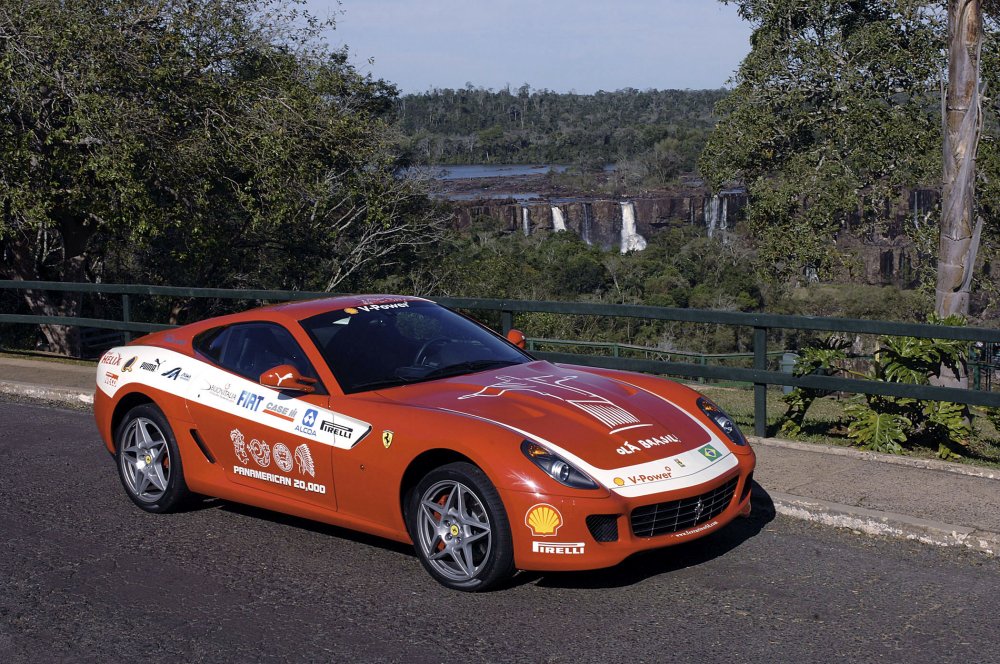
x=284 y=312
x=302 y=309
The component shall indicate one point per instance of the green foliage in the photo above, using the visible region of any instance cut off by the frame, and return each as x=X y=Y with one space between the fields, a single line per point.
x=911 y=360
x=653 y=135
x=822 y=357
x=885 y=423
x=857 y=301
x=216 y=143
x=878 y=431
x=487 y=261
x=834 y=112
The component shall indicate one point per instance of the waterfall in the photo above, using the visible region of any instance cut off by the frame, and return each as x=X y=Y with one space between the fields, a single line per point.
x=558 y=220
x=525 y=221
x=723 y=221
x=713 y=215
x=631 y=240
x=586 y=231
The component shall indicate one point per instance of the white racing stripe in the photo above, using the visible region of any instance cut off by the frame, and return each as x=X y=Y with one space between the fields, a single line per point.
x=203 y=383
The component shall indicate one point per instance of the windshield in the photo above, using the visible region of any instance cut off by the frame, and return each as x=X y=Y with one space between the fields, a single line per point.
x=398 y=342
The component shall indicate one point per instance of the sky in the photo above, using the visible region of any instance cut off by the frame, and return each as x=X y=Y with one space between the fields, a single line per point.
x=562 y=45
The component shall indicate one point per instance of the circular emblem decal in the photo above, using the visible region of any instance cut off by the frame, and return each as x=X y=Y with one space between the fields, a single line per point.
x=282 y=456
x=261 y=452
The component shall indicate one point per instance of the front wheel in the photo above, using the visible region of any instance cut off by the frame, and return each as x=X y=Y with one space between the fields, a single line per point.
x=460 y=528
x=149 y=463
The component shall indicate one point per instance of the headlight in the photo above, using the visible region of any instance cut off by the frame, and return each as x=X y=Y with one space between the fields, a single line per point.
x=723 y=421
x=556 y=467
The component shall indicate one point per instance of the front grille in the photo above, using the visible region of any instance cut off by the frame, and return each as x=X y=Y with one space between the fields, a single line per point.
x=677 y=515
x=603 y=527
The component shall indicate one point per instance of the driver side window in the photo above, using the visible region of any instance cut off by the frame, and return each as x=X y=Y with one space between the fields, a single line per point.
x=250 y=349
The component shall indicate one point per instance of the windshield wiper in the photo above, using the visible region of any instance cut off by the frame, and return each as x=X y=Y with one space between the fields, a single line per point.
x=469 y=367
x=375 y=384
x=441 y=372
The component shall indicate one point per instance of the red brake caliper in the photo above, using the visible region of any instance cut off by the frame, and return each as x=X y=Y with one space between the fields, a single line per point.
x=441 y=501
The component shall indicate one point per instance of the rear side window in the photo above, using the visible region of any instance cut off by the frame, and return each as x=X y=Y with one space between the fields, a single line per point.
x=250 y=349
x=211 y=343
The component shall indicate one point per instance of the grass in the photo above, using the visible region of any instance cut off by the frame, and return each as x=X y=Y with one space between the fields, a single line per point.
x=826 y=423
x=44 y=356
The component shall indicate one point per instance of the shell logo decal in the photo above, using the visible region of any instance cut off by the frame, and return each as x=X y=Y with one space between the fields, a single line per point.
x=543 y=520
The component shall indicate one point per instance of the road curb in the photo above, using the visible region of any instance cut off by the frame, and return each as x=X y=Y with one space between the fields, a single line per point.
x=887 y=524
x=927 y=464
x=47 y=393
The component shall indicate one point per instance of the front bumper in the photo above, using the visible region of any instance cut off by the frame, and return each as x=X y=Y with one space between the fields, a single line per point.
x=557 y=533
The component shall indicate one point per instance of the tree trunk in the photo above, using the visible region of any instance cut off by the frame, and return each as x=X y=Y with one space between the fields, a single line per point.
x=24 y=264
x=962 y=127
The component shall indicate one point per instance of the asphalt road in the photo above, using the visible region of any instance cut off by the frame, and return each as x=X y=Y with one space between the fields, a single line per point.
x=86 y=576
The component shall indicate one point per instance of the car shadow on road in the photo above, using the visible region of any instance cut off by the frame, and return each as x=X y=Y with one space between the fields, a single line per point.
x=633 y=570
x=315 y=527
x=656 y=562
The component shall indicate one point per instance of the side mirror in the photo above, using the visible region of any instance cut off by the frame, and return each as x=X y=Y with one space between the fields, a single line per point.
x=517 y=338
x=287 y=377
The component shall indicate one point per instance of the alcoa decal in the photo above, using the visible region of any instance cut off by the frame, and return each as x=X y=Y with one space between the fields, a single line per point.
x=200 y=382
x=686 y=470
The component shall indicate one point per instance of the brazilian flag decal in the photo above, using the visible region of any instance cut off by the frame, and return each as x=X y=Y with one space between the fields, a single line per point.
x=709 y=452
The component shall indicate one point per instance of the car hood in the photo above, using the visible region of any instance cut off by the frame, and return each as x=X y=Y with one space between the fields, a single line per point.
x=608 y=424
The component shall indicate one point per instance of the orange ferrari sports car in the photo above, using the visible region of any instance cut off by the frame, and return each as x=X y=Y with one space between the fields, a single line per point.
x=404 y=419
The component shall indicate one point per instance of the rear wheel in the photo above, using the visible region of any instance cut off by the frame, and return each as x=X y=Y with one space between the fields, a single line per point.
x=460 y=529
x=149 y=463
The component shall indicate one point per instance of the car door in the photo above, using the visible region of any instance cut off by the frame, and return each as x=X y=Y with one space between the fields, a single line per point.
x=267 y=439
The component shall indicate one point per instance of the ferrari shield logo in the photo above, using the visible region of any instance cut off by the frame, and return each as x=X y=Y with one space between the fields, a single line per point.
x=386 y=438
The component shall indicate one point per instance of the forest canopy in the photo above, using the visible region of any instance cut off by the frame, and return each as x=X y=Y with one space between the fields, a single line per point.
x=218 y=143
x=664 y=129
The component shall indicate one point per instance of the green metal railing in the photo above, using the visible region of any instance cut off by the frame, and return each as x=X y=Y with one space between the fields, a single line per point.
x=760 y=323
x=618 y=349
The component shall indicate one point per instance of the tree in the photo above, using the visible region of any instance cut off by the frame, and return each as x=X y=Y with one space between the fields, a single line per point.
x=962 y=129
x=219 y=143
x=833 y=113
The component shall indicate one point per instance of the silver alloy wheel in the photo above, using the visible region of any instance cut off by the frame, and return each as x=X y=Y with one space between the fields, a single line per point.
x=145 y=460
x=454 y=530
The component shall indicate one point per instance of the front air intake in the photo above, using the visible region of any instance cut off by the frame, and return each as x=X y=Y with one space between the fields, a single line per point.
x=677 y=515
x=603 y=527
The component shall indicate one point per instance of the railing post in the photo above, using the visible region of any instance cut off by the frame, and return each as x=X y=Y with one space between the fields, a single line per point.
x=506 y=321
x=760 y=389
x=126 y=316
x=975 y=356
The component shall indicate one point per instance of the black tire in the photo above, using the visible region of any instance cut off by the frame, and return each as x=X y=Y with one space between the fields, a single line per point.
x=149 y=463
x=452 y=545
